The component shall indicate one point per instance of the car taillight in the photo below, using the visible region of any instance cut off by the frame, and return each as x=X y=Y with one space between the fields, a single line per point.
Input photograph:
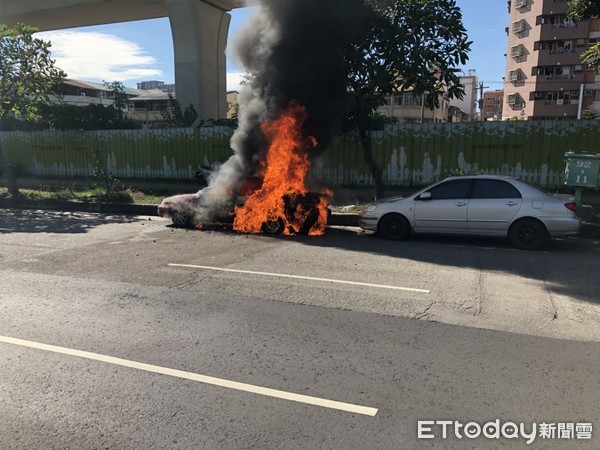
x=571 y=206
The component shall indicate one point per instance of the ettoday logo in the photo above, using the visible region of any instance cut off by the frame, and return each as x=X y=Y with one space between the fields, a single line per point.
x=430 y=429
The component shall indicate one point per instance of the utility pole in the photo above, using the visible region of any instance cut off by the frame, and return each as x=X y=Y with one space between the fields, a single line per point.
x=480 y=101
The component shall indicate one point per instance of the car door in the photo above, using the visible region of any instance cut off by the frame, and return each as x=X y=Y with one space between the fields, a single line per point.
x=492 y=206
x=446 y=210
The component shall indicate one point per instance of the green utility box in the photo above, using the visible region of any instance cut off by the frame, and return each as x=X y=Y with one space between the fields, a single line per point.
x=582 y=170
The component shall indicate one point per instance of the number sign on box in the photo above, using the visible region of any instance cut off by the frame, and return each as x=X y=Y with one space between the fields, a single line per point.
x=582 y=170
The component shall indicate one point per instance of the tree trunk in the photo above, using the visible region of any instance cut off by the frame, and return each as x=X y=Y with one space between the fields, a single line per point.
x=9 y=174
x=376 y=173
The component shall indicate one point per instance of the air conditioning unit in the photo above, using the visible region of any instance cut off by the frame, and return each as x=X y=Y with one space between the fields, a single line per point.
x=518 y=27
x=514 y=75
x=516 y=51
x=587 y=92
x=537 y=95
x=560 y=101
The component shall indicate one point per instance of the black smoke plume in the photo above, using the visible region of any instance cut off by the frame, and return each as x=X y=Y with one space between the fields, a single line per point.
x=294 y=51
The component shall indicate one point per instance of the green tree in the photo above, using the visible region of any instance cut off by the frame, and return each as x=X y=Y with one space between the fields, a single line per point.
x=407 y=45
x=583 y=10
x=120 y=99
x=176 y=117
x=590 y=113
x=27 y=78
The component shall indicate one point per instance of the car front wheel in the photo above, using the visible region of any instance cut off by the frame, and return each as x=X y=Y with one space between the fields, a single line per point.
x=394 y=226
x=181 y=218
x=273 y=227
x=527 y=234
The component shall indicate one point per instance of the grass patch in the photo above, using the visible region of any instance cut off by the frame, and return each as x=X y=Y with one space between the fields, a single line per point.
x=80 y=194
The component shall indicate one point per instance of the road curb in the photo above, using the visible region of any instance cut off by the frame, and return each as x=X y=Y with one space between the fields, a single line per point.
x=350 y=220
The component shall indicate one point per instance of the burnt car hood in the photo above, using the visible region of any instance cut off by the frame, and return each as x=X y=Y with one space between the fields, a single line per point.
x=179 y=199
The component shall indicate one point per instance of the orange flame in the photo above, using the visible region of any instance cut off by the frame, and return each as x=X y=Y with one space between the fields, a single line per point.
x=283 y=188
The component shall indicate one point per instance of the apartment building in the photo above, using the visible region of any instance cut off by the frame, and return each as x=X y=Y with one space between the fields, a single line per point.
x=409 y=108
x=155 y=85
x=491 y=105
x=468 y=104
x=83 y=93
x=545 y=78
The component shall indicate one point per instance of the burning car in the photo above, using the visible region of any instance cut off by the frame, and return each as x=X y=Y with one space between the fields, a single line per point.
x=209 y=206
x=276 y=200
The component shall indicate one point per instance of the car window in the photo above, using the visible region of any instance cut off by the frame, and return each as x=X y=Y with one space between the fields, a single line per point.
x=451 y=189
x=494 y=189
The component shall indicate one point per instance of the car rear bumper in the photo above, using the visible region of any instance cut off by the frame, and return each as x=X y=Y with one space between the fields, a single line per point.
x=567 y=226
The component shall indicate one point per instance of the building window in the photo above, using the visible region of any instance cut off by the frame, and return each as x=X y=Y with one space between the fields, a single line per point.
x=557 y=47
x=554 y=72
x=409 y=99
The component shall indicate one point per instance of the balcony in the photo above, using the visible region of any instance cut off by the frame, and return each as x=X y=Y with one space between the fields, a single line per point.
x=560 y=56
x=555 y=82
x=550 y=108
x=555 y=7
x=563 y=30
x=561 y=102
x=83 y=100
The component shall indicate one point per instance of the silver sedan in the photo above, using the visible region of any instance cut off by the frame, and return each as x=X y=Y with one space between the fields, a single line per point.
x=476 y=205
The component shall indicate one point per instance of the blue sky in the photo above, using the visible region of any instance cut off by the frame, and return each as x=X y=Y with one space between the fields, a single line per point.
x=136 y=51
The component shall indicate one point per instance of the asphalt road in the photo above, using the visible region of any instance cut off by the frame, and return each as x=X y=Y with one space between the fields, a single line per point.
x=355 y=339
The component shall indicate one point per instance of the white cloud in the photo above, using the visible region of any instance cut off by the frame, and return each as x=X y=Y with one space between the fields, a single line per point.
x=94 y=56
x=233 y=81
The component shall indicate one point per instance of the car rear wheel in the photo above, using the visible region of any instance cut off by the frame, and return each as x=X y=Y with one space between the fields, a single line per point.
x=527 y=234
x=181 y=218
x=394 y=226
x=273 y=227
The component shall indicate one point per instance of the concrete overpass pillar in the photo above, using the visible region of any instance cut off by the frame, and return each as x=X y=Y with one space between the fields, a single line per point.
x=199 y=39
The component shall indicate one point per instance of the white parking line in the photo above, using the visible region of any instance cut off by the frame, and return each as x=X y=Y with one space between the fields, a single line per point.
x=284 y=395
x=299 y=277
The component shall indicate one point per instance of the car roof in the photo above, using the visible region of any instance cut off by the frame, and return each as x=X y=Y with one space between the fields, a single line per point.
x=484 y=177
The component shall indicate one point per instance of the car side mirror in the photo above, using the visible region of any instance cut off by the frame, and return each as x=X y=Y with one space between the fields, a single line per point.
x=425 y=196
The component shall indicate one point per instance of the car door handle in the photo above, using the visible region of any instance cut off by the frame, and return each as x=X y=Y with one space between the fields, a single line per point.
x=512 y=203
x=460 y=204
